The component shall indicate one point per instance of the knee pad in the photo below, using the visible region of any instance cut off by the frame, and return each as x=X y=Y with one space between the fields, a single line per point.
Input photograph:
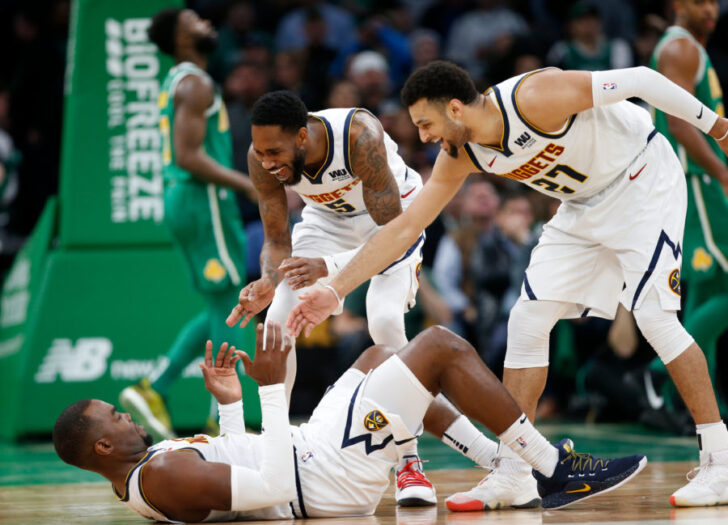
x=661 y=328
x=386 y=327
x=529 y=327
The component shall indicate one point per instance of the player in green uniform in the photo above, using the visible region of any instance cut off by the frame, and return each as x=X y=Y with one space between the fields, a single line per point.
x=200 y=210
x=680 y=55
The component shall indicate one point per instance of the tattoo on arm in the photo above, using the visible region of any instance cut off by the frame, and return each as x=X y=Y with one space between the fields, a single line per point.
x=273 y=206
x=369 y=163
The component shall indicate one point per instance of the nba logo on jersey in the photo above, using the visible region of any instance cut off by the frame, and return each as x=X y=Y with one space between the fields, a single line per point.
x=609 y=86
x=375 y=420
x=521 y=441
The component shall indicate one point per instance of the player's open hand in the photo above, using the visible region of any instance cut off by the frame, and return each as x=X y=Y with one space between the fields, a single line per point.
x=303 y=271
x=314 y=308
x=221 y=379
x=271 y=353
x=253 y=298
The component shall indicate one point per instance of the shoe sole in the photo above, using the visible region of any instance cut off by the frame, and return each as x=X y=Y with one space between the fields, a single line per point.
x=674 y=503
x=477 y=505
x=415 y=502
x=642 y=464
x=134 y=403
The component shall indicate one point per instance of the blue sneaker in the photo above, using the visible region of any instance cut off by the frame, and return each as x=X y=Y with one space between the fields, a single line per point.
x=581 y=476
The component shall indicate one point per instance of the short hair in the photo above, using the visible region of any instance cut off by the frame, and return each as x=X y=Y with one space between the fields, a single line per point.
x=280 y=108
x=439 y=81
x=163 y=29
x=70 y=433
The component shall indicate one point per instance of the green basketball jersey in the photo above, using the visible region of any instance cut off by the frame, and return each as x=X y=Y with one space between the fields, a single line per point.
x=217 y=143
x=707 y=91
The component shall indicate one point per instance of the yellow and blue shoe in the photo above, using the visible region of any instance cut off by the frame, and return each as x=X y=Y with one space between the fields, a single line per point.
x=147 y=407
x=581 y=476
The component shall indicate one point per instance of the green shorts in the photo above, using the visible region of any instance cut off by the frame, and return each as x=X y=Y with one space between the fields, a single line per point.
x=205 y=223
x=705 y=242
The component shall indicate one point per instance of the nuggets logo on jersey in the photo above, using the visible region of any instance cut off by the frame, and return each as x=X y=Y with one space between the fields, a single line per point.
x=673 y=281
x=375 y=420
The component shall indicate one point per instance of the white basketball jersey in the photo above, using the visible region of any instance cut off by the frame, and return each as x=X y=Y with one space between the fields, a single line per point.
x=335 y=188
x=238 y=449
x=592 y=149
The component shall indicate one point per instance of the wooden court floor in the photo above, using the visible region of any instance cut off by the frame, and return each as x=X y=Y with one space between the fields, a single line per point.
x=644 y=500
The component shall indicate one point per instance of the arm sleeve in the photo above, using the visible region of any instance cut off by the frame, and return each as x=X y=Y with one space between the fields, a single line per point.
x=657 y=90
x=231 y=418
x=274 y=482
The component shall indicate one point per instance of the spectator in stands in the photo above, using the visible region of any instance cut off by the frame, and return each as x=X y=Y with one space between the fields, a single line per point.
x=588 y=48
x=369 y=72
x=343 y=94
x=453 y=271
x=340 y=26
x=484 y=34
x=426 y=45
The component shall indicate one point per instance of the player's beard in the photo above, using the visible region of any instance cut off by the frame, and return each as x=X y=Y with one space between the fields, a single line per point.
x=148 y=440
x=206 y=44
x=461 y=134
x=299 y=161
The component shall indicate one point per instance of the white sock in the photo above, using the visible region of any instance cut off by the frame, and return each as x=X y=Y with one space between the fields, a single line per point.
x=462 y=436
x=523 y=439
x=408 y=452
x=712 y=437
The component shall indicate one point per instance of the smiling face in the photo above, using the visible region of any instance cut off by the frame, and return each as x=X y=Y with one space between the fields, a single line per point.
x=280 y=152
x=440 y=122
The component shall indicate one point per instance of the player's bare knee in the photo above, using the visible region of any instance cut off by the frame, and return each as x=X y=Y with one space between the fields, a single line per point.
x=444 y=342
x=662 y=329
x=372 y=357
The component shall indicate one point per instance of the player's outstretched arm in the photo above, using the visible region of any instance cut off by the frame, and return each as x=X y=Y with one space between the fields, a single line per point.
x=191 y=99
x=389 y=243
x=273 y=207
x=548 y=98
x=185 y=487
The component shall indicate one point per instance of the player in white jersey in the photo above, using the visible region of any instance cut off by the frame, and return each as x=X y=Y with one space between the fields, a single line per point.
x=348 y=172
x=615 y=238
x=338 y=463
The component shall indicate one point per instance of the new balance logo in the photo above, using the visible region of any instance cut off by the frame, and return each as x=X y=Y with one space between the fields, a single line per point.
x=525 y=140
x=456 y=443
x=84 y=361
x=338 y=174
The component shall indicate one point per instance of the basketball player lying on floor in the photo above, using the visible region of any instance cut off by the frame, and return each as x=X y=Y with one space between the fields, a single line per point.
x=338 y=463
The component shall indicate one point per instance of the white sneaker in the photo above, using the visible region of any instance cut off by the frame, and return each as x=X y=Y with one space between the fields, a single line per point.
x=708 y=483
x=509 y=484
x=413 y=487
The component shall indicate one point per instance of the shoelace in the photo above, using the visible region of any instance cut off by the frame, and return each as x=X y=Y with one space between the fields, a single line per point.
x=408 y=477
x=694 y=472
x=582 y=462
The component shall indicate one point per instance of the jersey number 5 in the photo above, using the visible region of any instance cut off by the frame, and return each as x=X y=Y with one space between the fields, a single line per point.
x=340 y=206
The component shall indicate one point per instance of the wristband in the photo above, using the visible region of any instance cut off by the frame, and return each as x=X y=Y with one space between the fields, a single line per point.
x=339 y=300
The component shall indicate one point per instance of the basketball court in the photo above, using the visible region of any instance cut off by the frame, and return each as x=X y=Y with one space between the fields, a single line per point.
x=36 y=487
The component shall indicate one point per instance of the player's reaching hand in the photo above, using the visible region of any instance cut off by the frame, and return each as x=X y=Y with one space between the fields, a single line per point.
x=252 y=299
x=315 y=306
x=271 y=354
x=303 y=271
x=221 y=379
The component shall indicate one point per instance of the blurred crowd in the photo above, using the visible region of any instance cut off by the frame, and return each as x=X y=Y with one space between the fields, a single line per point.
x=359 y=53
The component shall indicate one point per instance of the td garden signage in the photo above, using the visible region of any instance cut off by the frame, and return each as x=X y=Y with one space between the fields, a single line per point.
x=132 y=117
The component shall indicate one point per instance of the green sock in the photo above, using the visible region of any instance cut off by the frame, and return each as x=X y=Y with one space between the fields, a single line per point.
x=219 y=306
x=190 y=343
